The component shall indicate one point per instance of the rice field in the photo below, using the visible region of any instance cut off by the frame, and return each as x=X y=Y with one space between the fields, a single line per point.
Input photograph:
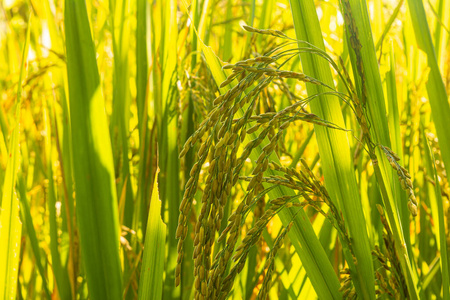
x=225 y=149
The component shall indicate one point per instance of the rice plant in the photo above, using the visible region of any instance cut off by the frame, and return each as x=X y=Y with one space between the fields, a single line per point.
x=212 y=149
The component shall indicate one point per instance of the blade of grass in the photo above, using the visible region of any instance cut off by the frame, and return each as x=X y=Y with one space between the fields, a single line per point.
x=119 y=125
x=302 y=148
x=27 y=220
x=120 y=117
x=92 y=160
x=389 y=23
x=227 y=44
x=371 y=82
x=10 y=225
x=144 y=178
x=60 y=272
x=152 y=270
x=441 y=30
x=433 y=269
x=11 y=228
x=165 y=95
x=141 y=60
x=334 y=149
x=437 y=211
x=397 y=147
x=437 y=94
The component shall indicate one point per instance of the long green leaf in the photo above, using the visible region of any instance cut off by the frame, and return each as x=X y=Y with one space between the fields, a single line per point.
x=397 y=147
x=10 y=225
x=371 y=91
x=61 y=273
x=437 y=94
x=121 y=102
x=334 y=149
x=142 y=100
x=92 y=160
x=437 y=211
x=152 y=270
x=27 y=220
x=165 y=95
